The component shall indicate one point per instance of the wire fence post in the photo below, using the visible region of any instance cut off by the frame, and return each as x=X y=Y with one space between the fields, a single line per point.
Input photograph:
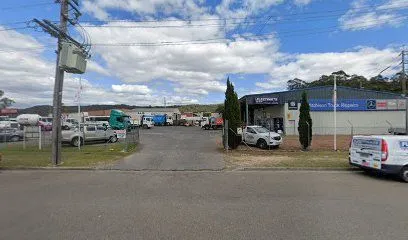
x=352 y=128
x=39 y=138
x=308 y=134
x=226 y=135
x=24 y=137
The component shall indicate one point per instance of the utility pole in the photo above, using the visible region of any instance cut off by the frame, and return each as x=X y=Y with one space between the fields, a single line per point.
x=404 y=89
x=403 y=79
x=58 y=86
x=80 y=51
x=334 y=112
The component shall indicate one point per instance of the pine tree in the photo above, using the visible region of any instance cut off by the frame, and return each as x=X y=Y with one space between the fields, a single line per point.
x=232 y=114
x=305 y=123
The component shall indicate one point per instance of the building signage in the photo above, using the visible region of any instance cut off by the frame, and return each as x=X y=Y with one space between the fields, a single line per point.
x=120 y=133
x=357 y=104
x=381 y=105
x=266 y=100
x=392 y=104
x=342 y=105
x=292 y=105
x=371 y=104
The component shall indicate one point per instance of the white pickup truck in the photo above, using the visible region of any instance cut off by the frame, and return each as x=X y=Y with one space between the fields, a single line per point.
x=386 y=153
x=261 y=137
x=89 y=133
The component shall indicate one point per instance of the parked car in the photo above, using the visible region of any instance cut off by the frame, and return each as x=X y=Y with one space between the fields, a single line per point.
x=88 y=133
x=69 y=123
x=261 y=137
x=387 y=154
x=11 y=135
x=45 y=123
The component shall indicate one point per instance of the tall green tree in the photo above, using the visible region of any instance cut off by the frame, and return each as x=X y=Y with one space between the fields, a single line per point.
x=232 y=113
x=305 y=123
x=4 y=102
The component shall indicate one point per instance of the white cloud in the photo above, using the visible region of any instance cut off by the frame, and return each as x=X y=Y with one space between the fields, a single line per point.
x=191 y=66
x=95 y=67
x=302 y=2
x=135 y=89
x=364 y=61
x=28 y=78
x=361 y=16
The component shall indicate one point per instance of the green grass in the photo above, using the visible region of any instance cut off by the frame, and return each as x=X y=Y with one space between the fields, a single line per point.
x=88 y=156
x=312 y=159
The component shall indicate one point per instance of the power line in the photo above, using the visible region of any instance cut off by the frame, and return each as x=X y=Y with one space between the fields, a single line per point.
x=24 y=6
x=235 y=18
x=11 y=29
x=303 y=32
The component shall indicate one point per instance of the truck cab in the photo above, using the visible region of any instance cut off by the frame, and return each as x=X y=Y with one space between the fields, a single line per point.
x=118 y=120
x=147 y=121
x=382 y=153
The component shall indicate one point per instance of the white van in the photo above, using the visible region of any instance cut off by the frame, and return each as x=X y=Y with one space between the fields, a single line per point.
x=388 y=154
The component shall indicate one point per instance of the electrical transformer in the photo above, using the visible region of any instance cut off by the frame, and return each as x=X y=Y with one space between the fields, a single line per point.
x=72 y=58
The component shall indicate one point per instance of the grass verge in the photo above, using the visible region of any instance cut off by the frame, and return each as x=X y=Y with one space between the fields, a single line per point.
x=88 y=156
x=283 y=159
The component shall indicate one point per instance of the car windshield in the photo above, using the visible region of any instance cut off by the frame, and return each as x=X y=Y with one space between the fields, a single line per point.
x=261 y=130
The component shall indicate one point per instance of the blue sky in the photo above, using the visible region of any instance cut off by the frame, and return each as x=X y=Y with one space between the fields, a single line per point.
x=260 y=45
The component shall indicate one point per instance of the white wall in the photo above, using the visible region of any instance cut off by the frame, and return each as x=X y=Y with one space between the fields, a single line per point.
x=367 y=122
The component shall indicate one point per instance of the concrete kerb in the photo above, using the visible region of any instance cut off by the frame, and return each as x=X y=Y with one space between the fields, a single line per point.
x=185 y=170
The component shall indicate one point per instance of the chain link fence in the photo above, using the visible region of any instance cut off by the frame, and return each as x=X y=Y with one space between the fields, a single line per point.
x=32 y=143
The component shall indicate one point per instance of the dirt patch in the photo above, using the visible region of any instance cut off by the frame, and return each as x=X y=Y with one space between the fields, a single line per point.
x=319 y=142
x=288 y=159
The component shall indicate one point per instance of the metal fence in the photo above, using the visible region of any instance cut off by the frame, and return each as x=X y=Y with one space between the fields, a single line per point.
x=30 y=138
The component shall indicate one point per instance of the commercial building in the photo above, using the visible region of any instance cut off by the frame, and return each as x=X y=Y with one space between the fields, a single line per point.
x=359 y=111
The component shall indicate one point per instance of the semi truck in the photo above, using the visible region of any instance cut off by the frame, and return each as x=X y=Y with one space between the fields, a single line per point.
x=119 y=120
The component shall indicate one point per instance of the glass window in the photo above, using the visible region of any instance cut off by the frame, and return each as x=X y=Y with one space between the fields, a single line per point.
x=100 y=128
x=261 y=130
x=90 y=128
x=250 y=130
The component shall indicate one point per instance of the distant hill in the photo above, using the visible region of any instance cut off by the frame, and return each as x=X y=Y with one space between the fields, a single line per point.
x=45 y=110
x=198 y=108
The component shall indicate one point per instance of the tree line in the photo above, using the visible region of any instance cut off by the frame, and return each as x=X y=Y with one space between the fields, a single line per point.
x=378 y=83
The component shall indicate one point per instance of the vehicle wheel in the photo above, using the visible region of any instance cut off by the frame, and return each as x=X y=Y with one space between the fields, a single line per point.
x=76 y=141
x=145 y=126
x=261 y=144
x=14 y=138
x=113 y=139
x=404 y=174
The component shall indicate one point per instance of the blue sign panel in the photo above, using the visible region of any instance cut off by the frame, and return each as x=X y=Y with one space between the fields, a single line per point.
x=342 y=105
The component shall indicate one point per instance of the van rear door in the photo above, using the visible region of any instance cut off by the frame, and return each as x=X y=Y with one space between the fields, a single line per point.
x=366 y=151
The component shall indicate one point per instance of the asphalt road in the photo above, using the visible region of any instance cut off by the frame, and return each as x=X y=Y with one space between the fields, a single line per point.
x=201 y=205
x=175 y=148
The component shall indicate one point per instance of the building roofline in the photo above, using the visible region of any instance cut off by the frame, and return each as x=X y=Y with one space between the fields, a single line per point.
x=321 y=87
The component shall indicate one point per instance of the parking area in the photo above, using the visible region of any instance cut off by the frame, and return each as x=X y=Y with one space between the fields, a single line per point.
x=176 y=148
